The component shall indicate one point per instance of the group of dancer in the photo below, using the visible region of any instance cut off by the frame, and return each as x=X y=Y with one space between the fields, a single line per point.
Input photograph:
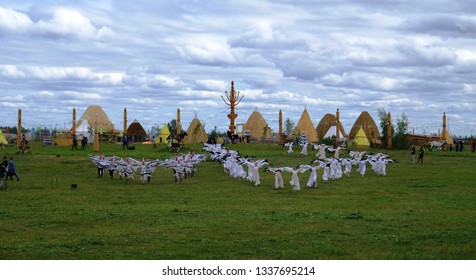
x=233 y=163
x=126 y=168
x=333 y=167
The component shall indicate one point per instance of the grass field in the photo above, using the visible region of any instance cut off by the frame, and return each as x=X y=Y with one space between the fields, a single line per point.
x=423 y=211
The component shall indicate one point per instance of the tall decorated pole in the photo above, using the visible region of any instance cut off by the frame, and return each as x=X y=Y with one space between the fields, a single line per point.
x=19 y=129
x=96 y=135
x=337 y=127
x=178 y=130
x=281 y=140
x=125 y=121
x=232 y=99
x=389 y=131
x=73 y=129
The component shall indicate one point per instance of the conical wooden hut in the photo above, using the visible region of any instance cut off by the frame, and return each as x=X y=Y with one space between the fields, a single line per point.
x=369 y=126
x=326 y=123
x=135 y=132
x=195 y=133
x=305 y=125
x=256 y=127
x=95 y=115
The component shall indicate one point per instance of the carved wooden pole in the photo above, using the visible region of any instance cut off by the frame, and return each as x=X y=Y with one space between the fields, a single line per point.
x=389 y=131
x=281 y=140
x=19 y=129
x=73 y=130
x=233 y=100
x=125 y=121
x=337 y=127
x=96 y=135
x=178 y=122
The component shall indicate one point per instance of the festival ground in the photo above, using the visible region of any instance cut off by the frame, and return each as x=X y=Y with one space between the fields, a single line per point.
x=417 y=211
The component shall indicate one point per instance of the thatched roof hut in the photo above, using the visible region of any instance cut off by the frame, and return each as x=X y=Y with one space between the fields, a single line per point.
x=195 y=133
x=256 y=127
x=305 y=125
x=368 y=125
x=326 y=123
x=136 y=132
x=94 y=114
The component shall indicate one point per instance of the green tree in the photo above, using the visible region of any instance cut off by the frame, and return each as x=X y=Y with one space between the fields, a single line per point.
x=288 y=126
x=400 y=139
x=399 y=132
x=173 y=126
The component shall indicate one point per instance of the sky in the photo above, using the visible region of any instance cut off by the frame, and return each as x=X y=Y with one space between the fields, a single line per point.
x=416 y=58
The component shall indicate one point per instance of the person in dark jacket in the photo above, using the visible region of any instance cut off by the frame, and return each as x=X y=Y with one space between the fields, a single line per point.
x=11 y=170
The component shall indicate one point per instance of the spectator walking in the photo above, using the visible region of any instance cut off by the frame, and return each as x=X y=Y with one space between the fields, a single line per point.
x=11 y=170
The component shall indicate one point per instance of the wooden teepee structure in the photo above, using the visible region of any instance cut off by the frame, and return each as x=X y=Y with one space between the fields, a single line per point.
x=305 y=125
x=195 y=132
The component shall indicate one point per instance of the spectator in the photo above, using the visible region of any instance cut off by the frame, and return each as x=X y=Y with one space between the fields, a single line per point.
x=11 y=170
x=421 y=153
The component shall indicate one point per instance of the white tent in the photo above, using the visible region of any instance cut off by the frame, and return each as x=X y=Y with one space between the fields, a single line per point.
x=332 y=132
x=84 y=130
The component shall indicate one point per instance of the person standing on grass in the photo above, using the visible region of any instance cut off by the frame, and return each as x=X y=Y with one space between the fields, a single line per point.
x=75 y=143
x=154 y=142
x=11 y=170
x=421 y=153
x=3 y=172
x=413 y=152
x=124 y=142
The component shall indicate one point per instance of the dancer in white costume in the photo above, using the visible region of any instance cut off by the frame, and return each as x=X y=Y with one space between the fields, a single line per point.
x=321 y=151
x=362 y=166
x=290 y=147
x=336 y=151
x=295 y=178
x=347 y=163
x=278 y=177
x=312 y=182
x=253 y=170
x=304 y=149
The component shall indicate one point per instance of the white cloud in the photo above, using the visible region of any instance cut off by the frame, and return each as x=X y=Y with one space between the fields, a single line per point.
x=62 y=23
x=12 y=21
x=353 y=55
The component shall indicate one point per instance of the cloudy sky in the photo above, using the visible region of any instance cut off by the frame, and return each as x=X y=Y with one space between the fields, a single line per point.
x=152 y=57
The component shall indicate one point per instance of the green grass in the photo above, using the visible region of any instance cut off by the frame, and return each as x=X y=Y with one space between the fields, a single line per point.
x=416 y=212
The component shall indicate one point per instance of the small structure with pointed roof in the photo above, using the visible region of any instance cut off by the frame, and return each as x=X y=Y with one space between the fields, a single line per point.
x=164 y=134
x=256 y=127
x=95 y=115
x=305 y=125
x=3 y=140
x=360 y=139
x=369 y=126
x=195 y=132
x=327 y=127
x=136 y=132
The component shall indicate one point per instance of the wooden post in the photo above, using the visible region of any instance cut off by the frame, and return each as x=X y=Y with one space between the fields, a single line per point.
x=337 y=127
x=178 y=130
x=96 y=135
x=281 y=140
x=389 y=131
x=73 y=129
x=125 y=121
x=19 y=129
